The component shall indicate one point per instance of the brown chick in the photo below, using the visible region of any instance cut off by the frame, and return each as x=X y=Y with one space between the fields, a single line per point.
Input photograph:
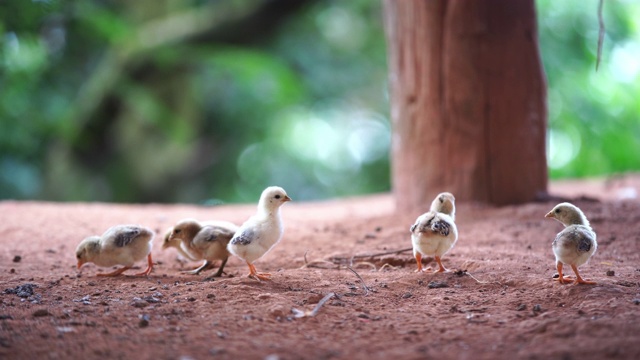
x=201 y=241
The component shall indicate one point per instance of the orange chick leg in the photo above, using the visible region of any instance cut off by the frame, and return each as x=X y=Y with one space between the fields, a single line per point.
x=419 y=261
x=441 y=267
x=561 y=278
x=256 y=275
x=117 y=272
x=149 y=267
x=579 y=279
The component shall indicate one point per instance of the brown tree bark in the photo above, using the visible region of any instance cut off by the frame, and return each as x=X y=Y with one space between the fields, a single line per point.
x=468 y=101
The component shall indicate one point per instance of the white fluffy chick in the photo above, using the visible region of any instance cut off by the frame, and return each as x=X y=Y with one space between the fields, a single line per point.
x=575 y=244
x=261 y=232
x=201 y=241
x=435 y=232
x=119 y=245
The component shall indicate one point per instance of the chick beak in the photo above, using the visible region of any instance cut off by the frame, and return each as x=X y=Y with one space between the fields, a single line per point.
x=286 y=198
x=80 y=263
x=549 y=214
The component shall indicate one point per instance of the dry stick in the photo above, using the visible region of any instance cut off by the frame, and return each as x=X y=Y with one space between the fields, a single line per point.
x=336 y=262
x=474 y=278
x=316 y=263
x=326 y=298
x=381 y=254
x=364 y=286
x=600 y=33
x=299 y=313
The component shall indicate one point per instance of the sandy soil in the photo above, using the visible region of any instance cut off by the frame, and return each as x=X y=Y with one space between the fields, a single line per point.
x=502 y=303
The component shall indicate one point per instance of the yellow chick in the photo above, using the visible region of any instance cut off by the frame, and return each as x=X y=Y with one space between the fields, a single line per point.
x=435 y=232
x=575 y=244
x=119 y=245
x=260 y=232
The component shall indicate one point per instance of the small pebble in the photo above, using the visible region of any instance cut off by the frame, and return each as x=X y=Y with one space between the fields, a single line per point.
x=437 y=285
x=216 y=351
x=521 y=307
x=139 y=303
x=17 y=258
x=144 y=321
x=636 y=301
x=192 y=299
x=611 y=273
x=537 y=308
x=407 y=295
x=41 y=312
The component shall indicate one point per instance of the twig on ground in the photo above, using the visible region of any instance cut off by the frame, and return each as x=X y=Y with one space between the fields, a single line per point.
x=365 y=263
x=343 y=261
x=366 y=256
x=465 y=272
x=299 y=313
x=317 y=264
x=387 y=265
x=305 y=258
x=364 y=286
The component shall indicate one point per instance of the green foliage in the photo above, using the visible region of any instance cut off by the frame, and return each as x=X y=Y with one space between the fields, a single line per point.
x=594 y=117
x=164 y=100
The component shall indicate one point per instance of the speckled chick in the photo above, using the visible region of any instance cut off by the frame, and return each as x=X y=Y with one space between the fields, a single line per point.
x=575 y=244
x=434 y=232
x=201 y=241
x=119 y=245
x=261 y=232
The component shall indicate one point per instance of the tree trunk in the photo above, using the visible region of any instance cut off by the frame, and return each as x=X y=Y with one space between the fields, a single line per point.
x=468 y=101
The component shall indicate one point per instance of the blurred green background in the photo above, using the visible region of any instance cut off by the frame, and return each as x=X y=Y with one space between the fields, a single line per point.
x=211 y=101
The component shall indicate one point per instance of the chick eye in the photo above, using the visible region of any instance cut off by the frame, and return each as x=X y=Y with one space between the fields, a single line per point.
x=177 y=231
x=557 y=211
x=278 y=196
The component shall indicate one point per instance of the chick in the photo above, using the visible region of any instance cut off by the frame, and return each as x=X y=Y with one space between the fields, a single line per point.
x=201 y=241
x=576 y=243
x=119 y=245
x=261 y=232
x=435 y=232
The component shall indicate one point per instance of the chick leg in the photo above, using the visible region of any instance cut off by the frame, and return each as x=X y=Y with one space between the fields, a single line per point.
x=579 y=279
x=419 y=261
x=441 y=267
x=561 y=278
x=221 y=268
x=197 y=270
x=117 y=272
x=149 y=267
x=256 y=275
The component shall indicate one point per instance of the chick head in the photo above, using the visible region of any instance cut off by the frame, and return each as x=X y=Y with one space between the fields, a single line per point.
x=568 y=214
x=87 y=250
x=184 y=230
x=444 y=203
x=273 y=197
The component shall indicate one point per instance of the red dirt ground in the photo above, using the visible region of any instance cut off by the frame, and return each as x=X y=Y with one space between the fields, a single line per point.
x=506 y=305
